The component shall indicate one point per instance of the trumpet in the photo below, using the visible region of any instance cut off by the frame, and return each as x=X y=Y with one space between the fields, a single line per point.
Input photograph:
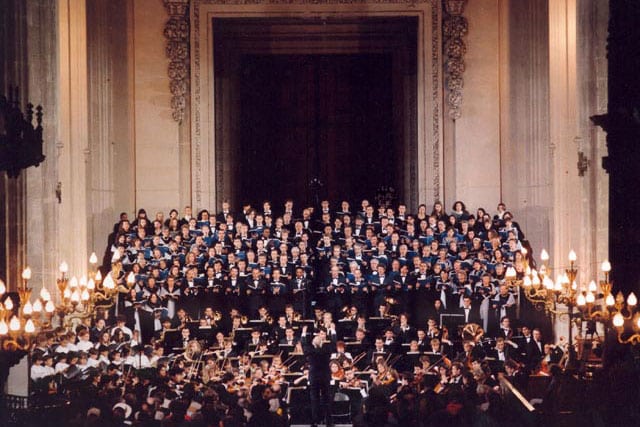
x=244 y=320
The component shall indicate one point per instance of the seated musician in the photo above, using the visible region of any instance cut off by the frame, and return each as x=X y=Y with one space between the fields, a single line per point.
x=470 y=353
x=337 y=372
x=433 y=331
x=455 y=378
x=378 y=350
x=350 y=379
x=390 y=343
x=211 y=370
x=384 y=376
x=404 y=332
x=341 y=354
x=519 y=379
x=289 y=337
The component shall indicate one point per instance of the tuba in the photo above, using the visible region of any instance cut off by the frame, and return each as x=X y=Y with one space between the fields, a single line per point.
x=472 y=332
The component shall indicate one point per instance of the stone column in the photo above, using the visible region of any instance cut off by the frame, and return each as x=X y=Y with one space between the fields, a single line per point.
x=42 y=204
x=13 y=73
x=73 y=134
x=111 y=183
x=525 y=159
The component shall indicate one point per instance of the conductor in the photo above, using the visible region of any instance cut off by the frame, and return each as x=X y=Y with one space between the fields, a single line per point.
x=318 y=353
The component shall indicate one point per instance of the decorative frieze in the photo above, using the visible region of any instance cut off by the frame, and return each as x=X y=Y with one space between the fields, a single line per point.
x=176 y=31
x=454 y=29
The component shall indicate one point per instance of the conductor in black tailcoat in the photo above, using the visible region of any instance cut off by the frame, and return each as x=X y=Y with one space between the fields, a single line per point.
x=318 y=353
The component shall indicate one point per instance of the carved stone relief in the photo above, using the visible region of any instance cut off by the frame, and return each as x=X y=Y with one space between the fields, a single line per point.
x=177 y=31
x=454 y=28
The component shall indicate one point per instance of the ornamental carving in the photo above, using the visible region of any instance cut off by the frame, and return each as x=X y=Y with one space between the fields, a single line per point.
x=177 y=31
x=454 y=29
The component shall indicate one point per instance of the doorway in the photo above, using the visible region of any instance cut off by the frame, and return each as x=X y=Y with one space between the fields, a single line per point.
x=315 y=126
x=314 y=108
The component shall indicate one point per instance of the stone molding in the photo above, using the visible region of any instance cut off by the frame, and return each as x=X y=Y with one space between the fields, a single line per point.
x=428 y=175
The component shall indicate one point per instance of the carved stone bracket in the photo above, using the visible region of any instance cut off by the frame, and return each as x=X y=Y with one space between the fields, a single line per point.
x=176 y=31
x=454 y=28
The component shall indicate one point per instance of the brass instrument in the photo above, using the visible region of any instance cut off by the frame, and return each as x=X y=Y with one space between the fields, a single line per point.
x=390 y=301
x=244 y=320
x=472 y=332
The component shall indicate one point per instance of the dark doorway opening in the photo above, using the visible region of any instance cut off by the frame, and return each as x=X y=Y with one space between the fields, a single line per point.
x=306 y=100
x=315 y=116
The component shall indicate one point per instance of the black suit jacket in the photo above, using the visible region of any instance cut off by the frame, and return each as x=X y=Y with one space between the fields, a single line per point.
x=318 y=359
x=534 y=353
x=474 y=314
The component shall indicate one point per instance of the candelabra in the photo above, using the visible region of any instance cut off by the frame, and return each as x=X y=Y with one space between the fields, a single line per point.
x=626 y=313
x=19 y=320
x=539 y=289
x=81 y=297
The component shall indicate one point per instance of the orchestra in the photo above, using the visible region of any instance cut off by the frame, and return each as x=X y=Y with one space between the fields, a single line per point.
x=411 y=303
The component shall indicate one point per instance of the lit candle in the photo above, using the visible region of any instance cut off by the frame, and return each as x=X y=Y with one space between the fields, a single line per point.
x=26 y=276
x=29 y=327
x=83 y=282
x=8 y=304
x=91 y=285
x=526 y=282
x=85 y=295
x=44 y=294
x=581 y=301
x=590 y=298
x=93 y=259
x=606 y=266
x=536 y=279
x=109 y=283
x=609 y=300
x=592 y=286
x=27 y=310
x=14 y=324
x=510 y=273
x=75 y=296
x=64 y=267
x=544 y=255
x=618 y=320
x=3 y=288
x=632 y=300
x=49 y=307
x=572 y=256
x=73 y=283
x=98 y=277
x=558 y=286
x=4 y=328
x=37 y=306
x=131 y=279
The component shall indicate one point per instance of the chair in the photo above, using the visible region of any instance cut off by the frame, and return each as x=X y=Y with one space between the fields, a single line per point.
x=341 y=409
